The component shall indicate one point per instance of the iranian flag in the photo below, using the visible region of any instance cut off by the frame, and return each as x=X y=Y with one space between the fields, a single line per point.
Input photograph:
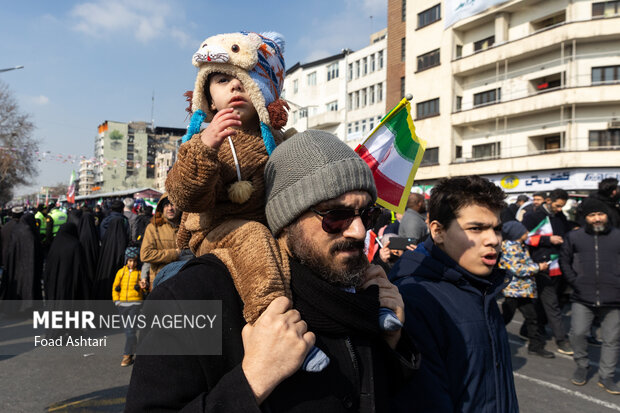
x=394 y=152
x=71 y=189
x=544 y=229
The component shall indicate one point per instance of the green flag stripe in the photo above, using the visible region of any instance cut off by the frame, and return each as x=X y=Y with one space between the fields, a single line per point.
x=403 y=142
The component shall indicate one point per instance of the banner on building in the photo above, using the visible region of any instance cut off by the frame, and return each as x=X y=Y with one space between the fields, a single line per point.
x=456 y=10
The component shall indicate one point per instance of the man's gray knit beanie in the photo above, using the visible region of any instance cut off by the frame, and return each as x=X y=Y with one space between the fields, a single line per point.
x=307 y=169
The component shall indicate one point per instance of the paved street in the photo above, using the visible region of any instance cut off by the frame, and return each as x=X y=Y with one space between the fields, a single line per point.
x=34 y=381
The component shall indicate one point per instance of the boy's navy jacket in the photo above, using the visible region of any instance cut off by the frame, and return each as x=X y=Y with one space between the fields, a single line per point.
x=455 y=321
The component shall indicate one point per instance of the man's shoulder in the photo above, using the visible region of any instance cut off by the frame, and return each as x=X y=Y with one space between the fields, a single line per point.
x=201 y=278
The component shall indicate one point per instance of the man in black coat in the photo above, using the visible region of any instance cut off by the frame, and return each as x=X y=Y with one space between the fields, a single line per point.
x=609 y=194
x=546 y=248
x=589 y=261
x=320 y=197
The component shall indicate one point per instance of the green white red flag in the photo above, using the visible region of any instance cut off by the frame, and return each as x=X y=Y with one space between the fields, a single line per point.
x=71 y=189
x=544 y=229
x=394 y=152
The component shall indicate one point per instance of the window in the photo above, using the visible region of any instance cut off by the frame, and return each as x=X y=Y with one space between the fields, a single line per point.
x=372 y=62
x=364 y=66
x=605 y=74
x=606 y=8
x=552 y=143
x=332 y=71
x=357 y=99
x=379 y=92
x=431 y=157
x=349 y=128
x=604 y=138
x=371 y=94
x=403 y=52
x=312 y=79
x=371 y=124
x=488 y=97
x=350 y=71
x=427 y=109
x=486 y=151
x=403 y=11
x=459 y=51
x=428 y=60
x=550 y=21
x=357 y=69
x=547 y=83
x=295 y=86
x=429 y=16
x=357 y=126
x=332 y=106
x=459 y=103
x=294 y=116
x=458 y=152
x=364 y=97
x=402 y=87
x=484 y=43
x=363 y=125
x=380 y=59
x=303 y=113
x=350 y=101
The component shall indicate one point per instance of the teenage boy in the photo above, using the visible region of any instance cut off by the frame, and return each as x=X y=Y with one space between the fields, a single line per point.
x=449 y=284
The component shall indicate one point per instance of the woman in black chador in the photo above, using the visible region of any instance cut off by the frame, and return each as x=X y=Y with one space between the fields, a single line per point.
x=65 y=277
x=24 y=262
x=111 y=257
x=89 y=238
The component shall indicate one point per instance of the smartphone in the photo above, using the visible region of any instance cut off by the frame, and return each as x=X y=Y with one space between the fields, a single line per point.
x=400 y=243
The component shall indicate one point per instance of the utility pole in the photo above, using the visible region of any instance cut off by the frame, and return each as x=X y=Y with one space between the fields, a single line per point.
x=152 y=111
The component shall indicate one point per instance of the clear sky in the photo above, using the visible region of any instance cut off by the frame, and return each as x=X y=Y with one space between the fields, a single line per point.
x=91 y=61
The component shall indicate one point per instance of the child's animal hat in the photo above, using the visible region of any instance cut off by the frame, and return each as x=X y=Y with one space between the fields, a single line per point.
x=256 y=59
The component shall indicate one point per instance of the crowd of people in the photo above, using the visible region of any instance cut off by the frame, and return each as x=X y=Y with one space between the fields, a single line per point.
x=330 y=303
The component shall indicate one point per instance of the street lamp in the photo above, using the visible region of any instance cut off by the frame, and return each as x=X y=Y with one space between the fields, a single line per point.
x=11 y=68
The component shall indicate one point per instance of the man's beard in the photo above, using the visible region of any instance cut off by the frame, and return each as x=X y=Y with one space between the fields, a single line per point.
x=350 y=274
x=597 y=228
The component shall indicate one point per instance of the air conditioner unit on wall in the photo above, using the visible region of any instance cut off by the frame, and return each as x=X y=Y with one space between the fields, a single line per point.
x=614 y=124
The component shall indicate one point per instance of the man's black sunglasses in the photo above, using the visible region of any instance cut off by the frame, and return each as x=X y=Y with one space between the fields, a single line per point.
x=338 y=220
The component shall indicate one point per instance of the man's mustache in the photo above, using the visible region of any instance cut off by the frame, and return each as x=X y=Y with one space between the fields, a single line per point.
x=346 y=245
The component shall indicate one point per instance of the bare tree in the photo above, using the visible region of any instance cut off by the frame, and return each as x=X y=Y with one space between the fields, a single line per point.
x=17 y=146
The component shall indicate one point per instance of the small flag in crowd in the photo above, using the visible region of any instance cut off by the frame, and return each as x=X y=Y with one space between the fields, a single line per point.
x=71 y=189
x=544 y=229
x=394 y=152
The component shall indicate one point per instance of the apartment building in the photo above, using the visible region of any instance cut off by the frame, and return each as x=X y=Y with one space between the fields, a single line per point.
x=526 y=93
x=86 y=177
x=125 y=153
x=343 y=94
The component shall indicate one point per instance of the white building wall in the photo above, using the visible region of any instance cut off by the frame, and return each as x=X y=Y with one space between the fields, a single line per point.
x=524 y=56
x=324 y=105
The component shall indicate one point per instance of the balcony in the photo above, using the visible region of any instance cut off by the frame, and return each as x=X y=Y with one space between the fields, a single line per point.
x=325 y=119
x=535 y=43
x=521 y=104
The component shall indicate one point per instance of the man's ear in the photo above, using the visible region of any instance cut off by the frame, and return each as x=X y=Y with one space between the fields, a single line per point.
x=438 y=232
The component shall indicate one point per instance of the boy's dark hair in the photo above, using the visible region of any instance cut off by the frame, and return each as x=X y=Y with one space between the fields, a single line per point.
x=558 y=193
x=607 y=186
x=541 y=194
x=452 y=194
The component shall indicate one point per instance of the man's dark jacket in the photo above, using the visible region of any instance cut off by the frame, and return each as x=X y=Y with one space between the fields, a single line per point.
x=590 y=263
x=360 y=376
x=460 y=333
x=543 y=250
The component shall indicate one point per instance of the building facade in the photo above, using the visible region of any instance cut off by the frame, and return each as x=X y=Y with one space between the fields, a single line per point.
x=525 y=92
x=343 y=94
x=86 y=177
x=125 y=154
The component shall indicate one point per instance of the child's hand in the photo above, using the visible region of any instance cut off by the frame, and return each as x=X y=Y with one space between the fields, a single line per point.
x=219 y=128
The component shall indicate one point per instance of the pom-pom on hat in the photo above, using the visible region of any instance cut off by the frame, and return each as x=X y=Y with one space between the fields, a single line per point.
x=256 y=59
